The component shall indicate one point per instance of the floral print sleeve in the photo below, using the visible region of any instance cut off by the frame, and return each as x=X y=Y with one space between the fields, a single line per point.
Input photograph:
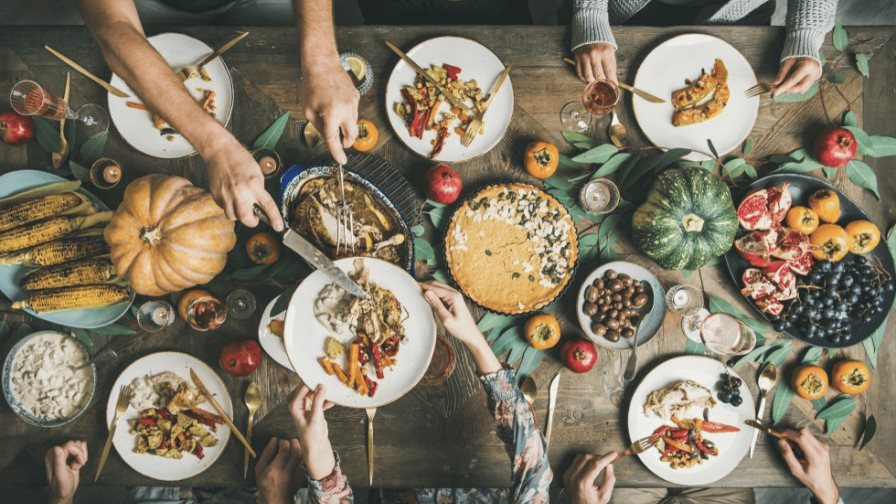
x=333 y=489
x=526 y=447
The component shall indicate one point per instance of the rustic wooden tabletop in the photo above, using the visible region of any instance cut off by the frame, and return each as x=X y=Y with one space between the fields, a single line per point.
x=445 y=438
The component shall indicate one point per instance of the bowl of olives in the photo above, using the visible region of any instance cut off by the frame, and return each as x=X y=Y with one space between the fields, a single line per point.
x=619 y=301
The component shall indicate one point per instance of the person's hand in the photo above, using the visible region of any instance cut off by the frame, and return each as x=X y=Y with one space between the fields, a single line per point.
x=331 y=104
x=813 y=469
x=596 y=61
x=796 y=75
x=579 y=479
x=277 y=471
x=448 y=304
x=237 y=184
x=63 y=464
x=307 y=410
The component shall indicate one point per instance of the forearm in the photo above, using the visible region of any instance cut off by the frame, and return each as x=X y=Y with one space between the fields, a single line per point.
x=591 y=23
x=319 y=459
x=807 y=22
x=317 y=35
x=483 y=356
x=332 y=488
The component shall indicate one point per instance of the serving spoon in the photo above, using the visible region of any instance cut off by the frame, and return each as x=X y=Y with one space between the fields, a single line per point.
x=529 y=389
x=631 y=367
x=766 y=382
x=104 y=356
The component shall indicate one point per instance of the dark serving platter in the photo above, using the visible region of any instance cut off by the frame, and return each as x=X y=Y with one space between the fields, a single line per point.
x=801 y=186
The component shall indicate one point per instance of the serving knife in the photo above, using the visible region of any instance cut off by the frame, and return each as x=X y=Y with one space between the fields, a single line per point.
x=316 y=258
x=186 y=72
x=227 y=420
x=86 y=73
x=552 y=401
x=422 y=73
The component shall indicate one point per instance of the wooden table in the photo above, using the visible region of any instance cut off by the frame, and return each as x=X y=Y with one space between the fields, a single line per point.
x=446 y=438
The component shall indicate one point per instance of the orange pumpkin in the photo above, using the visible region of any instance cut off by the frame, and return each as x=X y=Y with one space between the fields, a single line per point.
x=851 y=377
x=367 y=136
x=830 y=242
x=541 y=159
x=863 y=236
x=542 y=331
x=168 y=235
x=803 y=219
x=263 y=248
x=810 y=382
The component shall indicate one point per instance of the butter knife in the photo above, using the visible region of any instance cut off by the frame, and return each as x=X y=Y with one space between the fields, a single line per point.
x=552 y=401
x=185 y=72
x=316 y=258
x=227 y=420
x=86 y=73
x=422 y=73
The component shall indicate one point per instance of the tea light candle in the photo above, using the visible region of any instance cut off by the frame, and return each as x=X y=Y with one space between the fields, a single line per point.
x=268 y=165
x=111 y=174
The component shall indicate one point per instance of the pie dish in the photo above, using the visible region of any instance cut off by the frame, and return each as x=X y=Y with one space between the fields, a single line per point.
x=511 y=248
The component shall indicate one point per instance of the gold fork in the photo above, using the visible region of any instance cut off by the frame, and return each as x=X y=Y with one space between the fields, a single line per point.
x=474 y=126
x=371 y=412
x=124 y=400
x=638 y=446
x=759 y=89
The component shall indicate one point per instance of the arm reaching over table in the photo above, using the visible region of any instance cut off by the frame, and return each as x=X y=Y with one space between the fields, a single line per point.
x=277 y=471
x=63 y=464
x=235 y=180
x=580 y=479
x=328 y=95
x=808 y=21
x=592 y=41
x=812 y=467
x=514 y=421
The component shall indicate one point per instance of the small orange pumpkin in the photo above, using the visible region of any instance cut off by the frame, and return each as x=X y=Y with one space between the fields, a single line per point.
x=542 y=331
x=263 y=248
x=830 y=242
x=803 y=219
x=851 y=377
x=863 y=236
x=368 y=135
x=810 y=382
x=541 y=159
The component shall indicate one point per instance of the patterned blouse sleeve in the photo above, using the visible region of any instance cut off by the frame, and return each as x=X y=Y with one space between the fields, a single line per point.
x=333 y=489
x=526 y=447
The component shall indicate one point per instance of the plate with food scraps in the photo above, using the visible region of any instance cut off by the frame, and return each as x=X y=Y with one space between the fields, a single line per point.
x=16 y=265
x=636 y=287
x=166 y=402
x=693 y=73
x=465 y=66
x=686 y=388
x=270 y=335
x=40 y=380
x=212 y=89
x=846 y=299
x=368 y=353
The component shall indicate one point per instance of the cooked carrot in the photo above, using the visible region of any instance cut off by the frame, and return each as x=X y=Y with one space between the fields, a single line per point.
x=460 y=131
x=136 y=105
x=341 y=374
x=353 y=366
x=327 y=365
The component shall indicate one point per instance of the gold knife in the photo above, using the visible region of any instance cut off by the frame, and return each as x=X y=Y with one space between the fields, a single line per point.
x=552 y=401
x=420 y=71
x=86 y=73
x=236 y=432
x=185 y=72
x=371 y=412
x=764 y=428
x=643 y=94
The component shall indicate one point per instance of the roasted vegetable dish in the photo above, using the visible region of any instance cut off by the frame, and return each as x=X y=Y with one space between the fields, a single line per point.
x=682 y=445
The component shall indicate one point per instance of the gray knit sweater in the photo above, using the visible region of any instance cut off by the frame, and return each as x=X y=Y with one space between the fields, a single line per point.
x=807 y=21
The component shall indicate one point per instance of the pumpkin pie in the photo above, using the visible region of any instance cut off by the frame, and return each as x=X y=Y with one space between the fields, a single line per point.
x=511 y=248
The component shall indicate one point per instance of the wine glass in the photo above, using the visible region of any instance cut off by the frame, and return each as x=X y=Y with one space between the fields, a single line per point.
x=574 y=117
x=726 y=335
x=600 y=97
x=28 y=98
x=687 y=300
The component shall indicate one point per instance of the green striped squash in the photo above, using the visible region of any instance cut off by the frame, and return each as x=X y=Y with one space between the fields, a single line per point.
x=687 y=221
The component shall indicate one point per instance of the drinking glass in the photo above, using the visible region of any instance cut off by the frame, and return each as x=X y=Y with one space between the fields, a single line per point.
x=206 y=313
x=28 y=98
x=727 y=335
x=574 y=117
x=240 y=304
x=600 y=97
x=687 y=301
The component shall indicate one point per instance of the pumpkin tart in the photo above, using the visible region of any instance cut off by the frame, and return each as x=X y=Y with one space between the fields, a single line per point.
x=511 y=248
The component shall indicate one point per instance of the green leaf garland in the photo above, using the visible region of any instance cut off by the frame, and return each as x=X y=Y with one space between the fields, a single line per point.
x=80 y=173
x=269 y=137
x=93 y=147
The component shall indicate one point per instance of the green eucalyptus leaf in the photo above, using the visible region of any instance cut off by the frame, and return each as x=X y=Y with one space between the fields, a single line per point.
x=747 y=147
x=437 y=216
x=566 y=162
x=750 y=171
x=435 y=204
x=778 y=356
x=818 y=404
x=559 y=183
x=283 y=301
x=849 y=118
x=863 y=176
x=584 y=145
x=839 y=37
x=531 y=358
x=862 y=138
x=712 y=148
x=871 y=344
x=883 y=145
x=82 y=336
x=868 y=432
x=441 y=276
x=812 y=355
x=836 y=77
x=799 y=154
x=599 y=154
x=508 y=339
x=79 y=172
x=692 y=347
x=423 y=250
x=612 y=165
x=829 y=172
x=114 y=330
x=575 y=136
x=47 y=134
x=493 y=320
x=517 y=350
x=589 y=240
x=862 y=65
x=840 y=407
x=709 y=164
x=418 y=230
x=269 y=137
x=781 y=402
x=797 y=97
x=93 y=147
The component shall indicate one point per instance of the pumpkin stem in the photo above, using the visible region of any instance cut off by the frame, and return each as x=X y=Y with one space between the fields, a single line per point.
x=692 y=223
x=151 y=235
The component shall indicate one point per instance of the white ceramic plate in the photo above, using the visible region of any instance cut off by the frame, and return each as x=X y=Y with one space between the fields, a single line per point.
x=154 y=466
x=136 y=127
x=665 y=69
x=305 y=336
x=733 y=446
x=10 y=276
x=476 y=62
x=652 y=321
x=270 y=342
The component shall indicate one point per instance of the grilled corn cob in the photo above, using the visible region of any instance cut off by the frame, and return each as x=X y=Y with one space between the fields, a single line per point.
x=36 y=209
x=59 y=251
x=48 y=230
x=83 y=272
x=39 y=191
x=71 y=298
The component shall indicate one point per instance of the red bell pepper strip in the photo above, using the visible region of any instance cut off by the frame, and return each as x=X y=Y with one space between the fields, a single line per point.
x=440 y=142
x=705 y=449
x=679 y=434
x=371 y=386
x=408 y=98
x=677 y=444
x=451 y=70
x=377 y=360
x=149 y=422
x=718 y=427
x=199 y=452
x=659 y=432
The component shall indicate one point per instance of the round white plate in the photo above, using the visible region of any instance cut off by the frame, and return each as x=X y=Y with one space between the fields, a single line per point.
x=305 y=336
x=154 y=466
x=476 y=62
x=136 y=127
x=684 y=57
x=653 y=319
x=270 y=342
x=733 y=446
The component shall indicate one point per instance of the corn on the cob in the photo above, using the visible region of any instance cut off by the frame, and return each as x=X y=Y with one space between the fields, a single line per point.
x=71 y=298
x=83 y=272
x=48 y=230
x=59 y=251
x=36 y=209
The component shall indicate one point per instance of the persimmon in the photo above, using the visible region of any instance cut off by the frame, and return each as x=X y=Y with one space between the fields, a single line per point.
x=542 y=331
x=368 y=135
x=826 y=204
x=851 y=377
x=263 y=248
x=810 y=382
x=541 y=159
x=803 y=219
x=830 y=242
x=863 y=236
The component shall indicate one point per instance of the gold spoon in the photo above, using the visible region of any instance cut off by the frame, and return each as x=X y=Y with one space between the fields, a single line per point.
x=766 y=382
x=617 y=131
x=529 y=389
x=60 y=155
x=253 y=402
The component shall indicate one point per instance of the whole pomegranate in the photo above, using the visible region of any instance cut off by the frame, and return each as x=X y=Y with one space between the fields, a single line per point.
x=578 y=355
x=834 y=147
x=16 y=129
x=240 y=358
x=442 y=184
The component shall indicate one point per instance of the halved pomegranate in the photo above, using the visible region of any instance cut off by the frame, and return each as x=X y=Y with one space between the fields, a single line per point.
x=770 y=305
x=779 y=273
x=756 y=247
x=764 y=208
x=803 y=264
x=756 y=284
x=791 y=244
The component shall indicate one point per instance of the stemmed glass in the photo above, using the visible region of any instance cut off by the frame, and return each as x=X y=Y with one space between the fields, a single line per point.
x=28 y=98
x=599 y=98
